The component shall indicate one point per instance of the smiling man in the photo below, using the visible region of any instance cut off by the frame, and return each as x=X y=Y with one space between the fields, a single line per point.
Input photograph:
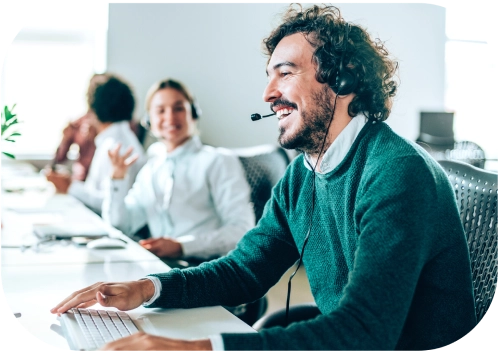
x=371 y=215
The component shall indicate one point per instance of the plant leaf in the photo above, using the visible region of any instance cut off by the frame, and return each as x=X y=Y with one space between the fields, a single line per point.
x=12 y=121
x=8 y=113
x=8 y=155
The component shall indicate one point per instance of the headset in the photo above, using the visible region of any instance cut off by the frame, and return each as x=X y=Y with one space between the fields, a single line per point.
x=345 y=79
x=194 y=106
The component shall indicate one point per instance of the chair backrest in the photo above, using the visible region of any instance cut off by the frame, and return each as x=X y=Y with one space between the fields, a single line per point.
x=476 y=193
x=464 y=151
x=264 y=165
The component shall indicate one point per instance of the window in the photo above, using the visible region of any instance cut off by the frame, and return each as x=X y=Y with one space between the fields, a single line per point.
x=471 y=73
x=47 y=70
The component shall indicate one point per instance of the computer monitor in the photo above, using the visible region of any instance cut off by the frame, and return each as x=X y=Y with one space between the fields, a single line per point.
x=436 y=128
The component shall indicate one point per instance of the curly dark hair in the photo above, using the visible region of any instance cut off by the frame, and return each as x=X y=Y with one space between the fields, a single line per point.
x=112 y=100
x=324 y=28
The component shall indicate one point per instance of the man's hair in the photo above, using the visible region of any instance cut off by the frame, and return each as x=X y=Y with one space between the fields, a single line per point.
x=112 y=100
x=177 y=85
x=324 y=28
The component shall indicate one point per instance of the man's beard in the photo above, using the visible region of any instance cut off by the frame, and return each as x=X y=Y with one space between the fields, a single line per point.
x=310 y=136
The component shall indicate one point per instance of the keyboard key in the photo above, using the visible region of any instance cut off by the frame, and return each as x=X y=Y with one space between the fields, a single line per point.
x=130 y=326
x=101 y=326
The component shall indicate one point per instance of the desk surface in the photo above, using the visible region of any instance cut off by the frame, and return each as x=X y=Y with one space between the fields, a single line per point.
x=34 y=281
x=33 y=291
x=47 y=208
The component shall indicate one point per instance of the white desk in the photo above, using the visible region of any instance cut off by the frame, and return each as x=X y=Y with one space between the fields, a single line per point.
x=44 y=208
x=35 y=281
x=33 y=291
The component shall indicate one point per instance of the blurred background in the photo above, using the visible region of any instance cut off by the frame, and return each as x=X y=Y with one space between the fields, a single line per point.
x=447 y=62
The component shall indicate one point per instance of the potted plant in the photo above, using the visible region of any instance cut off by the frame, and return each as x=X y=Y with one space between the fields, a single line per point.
x=9 y=131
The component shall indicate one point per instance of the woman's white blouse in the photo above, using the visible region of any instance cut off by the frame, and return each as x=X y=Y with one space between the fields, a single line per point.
x=196 y=194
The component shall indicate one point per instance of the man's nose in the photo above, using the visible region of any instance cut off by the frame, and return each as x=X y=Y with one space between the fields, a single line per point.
x=272 y=92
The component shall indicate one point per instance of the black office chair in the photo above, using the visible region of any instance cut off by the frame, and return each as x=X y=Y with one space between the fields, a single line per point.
x=476 y=192
x=463 y=151
x=297 y=313
x=264 y=165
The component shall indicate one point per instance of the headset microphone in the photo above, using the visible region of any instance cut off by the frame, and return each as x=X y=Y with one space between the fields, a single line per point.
x=257 y=116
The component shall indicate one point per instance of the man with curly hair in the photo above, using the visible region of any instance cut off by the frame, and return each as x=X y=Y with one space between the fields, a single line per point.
x=371 y=215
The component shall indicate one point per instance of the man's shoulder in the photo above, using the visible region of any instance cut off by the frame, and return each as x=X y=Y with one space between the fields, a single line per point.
x=387 y=151
x=385 y=145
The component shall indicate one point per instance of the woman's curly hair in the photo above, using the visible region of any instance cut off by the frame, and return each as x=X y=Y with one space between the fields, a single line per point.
x=324 y=28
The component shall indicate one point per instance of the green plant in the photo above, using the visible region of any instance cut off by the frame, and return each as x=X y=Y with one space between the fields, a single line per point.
x=9 y=121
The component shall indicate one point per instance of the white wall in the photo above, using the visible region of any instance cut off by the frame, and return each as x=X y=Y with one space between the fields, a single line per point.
x=216 y=50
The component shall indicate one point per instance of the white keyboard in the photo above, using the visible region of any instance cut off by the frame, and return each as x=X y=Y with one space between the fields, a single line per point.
x=99 y=327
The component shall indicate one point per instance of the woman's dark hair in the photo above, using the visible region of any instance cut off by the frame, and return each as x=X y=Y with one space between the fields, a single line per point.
x=112 y=100
x=324 y=28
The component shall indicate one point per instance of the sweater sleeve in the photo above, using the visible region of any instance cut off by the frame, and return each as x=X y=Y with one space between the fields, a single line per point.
x=242 y=276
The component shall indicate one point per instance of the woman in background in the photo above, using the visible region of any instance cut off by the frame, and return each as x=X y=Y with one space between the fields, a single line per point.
x=194 y=198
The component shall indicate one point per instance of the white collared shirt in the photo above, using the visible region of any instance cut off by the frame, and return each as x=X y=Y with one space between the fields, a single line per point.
x=91 y=191
x=196 y=194
x=340 y=147
x=331 y=159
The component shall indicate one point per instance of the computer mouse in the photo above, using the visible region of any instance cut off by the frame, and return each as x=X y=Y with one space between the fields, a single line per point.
x=106 y=243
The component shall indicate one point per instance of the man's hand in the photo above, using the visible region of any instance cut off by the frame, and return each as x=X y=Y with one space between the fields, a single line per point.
x=142 y=341
x=120 y=164
x=163 y=247
x=61 y=181
x=124 y=296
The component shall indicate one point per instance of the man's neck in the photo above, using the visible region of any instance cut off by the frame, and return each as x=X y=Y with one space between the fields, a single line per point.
x=340 y=121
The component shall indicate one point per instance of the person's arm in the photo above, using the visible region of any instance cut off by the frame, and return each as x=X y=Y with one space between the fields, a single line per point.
x=123 y=208
x=231 y=197
x=68 y=135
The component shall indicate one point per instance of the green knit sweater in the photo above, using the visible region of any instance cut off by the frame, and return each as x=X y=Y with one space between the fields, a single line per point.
x=387 y=259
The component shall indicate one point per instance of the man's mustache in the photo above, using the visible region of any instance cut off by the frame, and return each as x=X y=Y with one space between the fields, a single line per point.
x=282 y=102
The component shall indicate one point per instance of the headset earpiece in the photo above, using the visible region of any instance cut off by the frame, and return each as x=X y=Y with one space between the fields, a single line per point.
x=145 y=121
x=196 y=110
x=345 y=80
